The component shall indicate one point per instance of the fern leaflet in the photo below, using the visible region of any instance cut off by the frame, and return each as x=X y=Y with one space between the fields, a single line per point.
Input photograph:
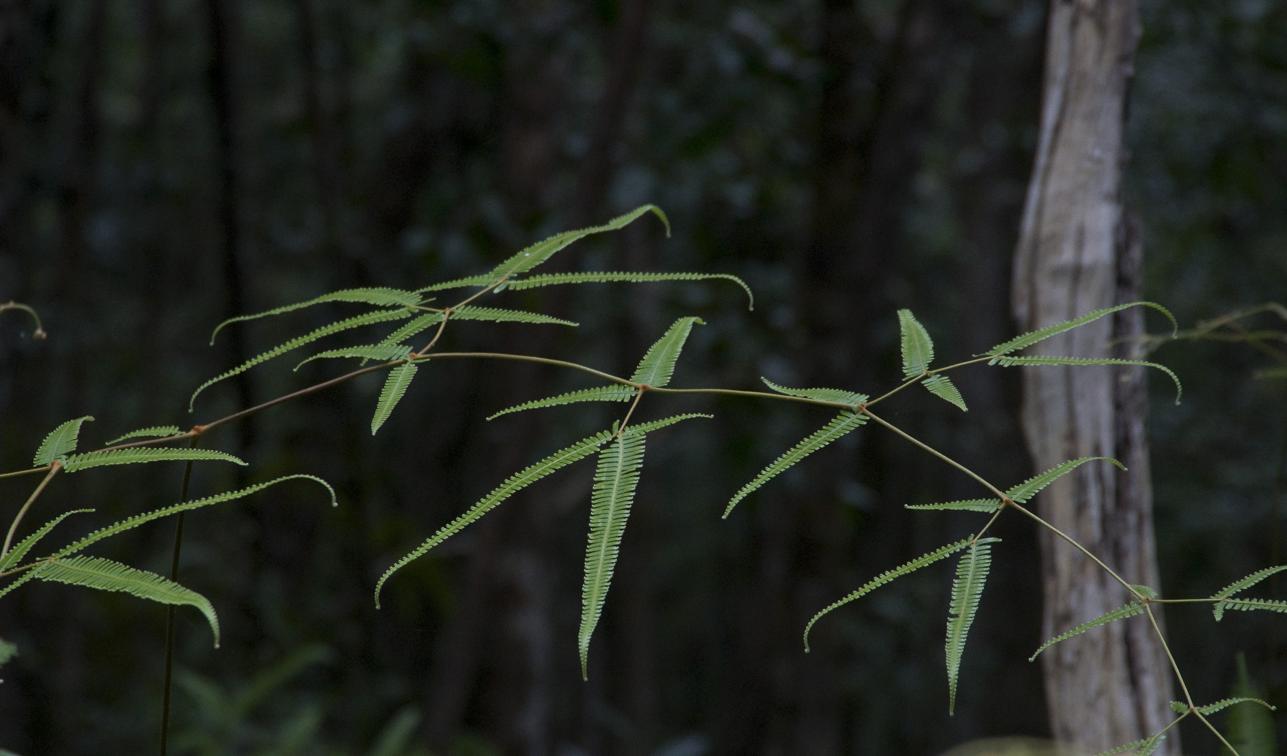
x=658 y=363
x=1032 y=486
x=503 y=315
x=20 y=549
x=1250 y=605
x=967 y=591
x=152 y=431
x=1142 y=747
x=1242 y=585
x=559 y=279
x=60 y=442
x=1088 y=361
x=141 y=455
x=915 y=344
x=538 y=253
x=942 y=387
x=458 y=283
x=1133 y=609
x=1179 y=707
x=378 y=296
x=1041 y=334
x=961 y=505
x=381 y=352
x=596 y=394
x=395 y=387
x=665 y=422
x=840 y=396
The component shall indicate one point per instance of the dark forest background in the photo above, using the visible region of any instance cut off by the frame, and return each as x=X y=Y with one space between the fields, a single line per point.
x=167 y=163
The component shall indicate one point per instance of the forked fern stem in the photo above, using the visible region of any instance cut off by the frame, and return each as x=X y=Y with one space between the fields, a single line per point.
x=1135 y=592
x=625 y=421
x=26 y=506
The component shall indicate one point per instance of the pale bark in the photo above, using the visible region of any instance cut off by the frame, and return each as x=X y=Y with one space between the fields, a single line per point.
x=1076 y=253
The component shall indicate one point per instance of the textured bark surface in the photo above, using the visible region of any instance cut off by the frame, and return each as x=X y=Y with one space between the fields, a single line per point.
x=1077 y=252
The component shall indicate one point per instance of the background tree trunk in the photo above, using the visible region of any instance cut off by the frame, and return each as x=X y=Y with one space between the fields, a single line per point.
x=1076 y=253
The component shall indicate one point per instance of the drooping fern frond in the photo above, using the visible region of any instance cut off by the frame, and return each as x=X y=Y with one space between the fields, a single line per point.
x=1132 y=609
x=840 y=426
x=60 y=442
x=617 y=276
x=615 y=479
x=1142 y=747
x=915 y=344
x=534 y=255
x=512 y=485
x=1180 y=707
x=615 y=393
x=658 y=363
x=24 y=546
x=986 y=506
x=143 y=455
x=377 y=296
x=1034 y=485
x=458 y=283
x=665 y=422
x=1250 y=605
x=1041 y=360
x=942 y=387
x=106 y=575
x=884 y=578
x=967 y=591
x=396 y=384
x=504 y=315
x=1041 y=334
x=379 y=352
x=1242 y=585
x=152 y=431
x=357 y=321
x=841 y=396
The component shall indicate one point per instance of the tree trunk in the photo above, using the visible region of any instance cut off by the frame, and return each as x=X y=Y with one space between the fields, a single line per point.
x=1077 y=252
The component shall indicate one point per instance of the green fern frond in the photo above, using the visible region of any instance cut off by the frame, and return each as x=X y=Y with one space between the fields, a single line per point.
x=967 y=591
x=142 y=455
x=395 y=387
x=379 y=352
x=916 y=345
x=512 y=485
x=1242 y=585
x=503 y=315
x=1142 y=747
x=1041 y=334
x=987 y=506
x=378 y=296
x=409 y=330
x=1133 y=609
x=1088 y=361
x=538 y=253
x=616 y=276
x=60 y=442
x=639 y=429
x=357 y=321
x=841 y=396
x=1250 y=605
x=21 y=549
x=1180 y=707
x=615 y=393
x=152 y=431
x=658 y=363
x=615 y=479
x=105 y=575
x=1032 y=486
x=884 y=578
x=840 y=425
x=942 y=387
x=458 y=283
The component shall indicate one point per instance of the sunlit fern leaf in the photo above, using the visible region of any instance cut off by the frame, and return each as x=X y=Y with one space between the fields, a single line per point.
x=884 y=578
x=1041 y=334
x=1242 y=585
x=378 y=352
x=1142 y=747
x=106 y=575
x=595 y=394
x=357 y=321
x=1042 y=360
x=24 y=546
x=1180 y=707
x=986 y=506
x=60 y=442
x=396 y=384
x=840 y=396
x=658 y=363
x=840 y=426
x=615 y=276
x=378 y=296
x=1032 y=486
x=503 y=315
x=512 y=485
x=967 y=591
x=538 y=253
x=141 y=455
x=916 y=346
x=1250 y=605
x=152 y=431
x=615 y=479
x=665 y=422
x=1133 y=609
x=458 y=283
x=942 y=387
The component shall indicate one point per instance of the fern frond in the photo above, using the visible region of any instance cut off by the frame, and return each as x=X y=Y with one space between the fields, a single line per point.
x=60 y=442
x=1133 y=609
x=1179 y=707
x=1032 y=486
x=986 y=506
x=142 y=455
x=357 y=321
x=503 y=315
x=395 y=387
x=16 y=583
x=152 y=431
x=615 y=393
x=658 y=363
x=1142 y=747
x=1242 y=585
x=538 y=253
x=967 y=591
x=1250 y=605
x=379 y=352
x=840 y=425
x=942 y=387
x=458 y=283
x=512 y=485
x=615 y=479
x=1041 y=334
x=20 y=549
x=106 y=575
x=1088 y=361
x=852 y=398
x=410 y=329
x=884 y=578
x=654 y=425
x=617 y=276
x=916 y=345
x=377 y=296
